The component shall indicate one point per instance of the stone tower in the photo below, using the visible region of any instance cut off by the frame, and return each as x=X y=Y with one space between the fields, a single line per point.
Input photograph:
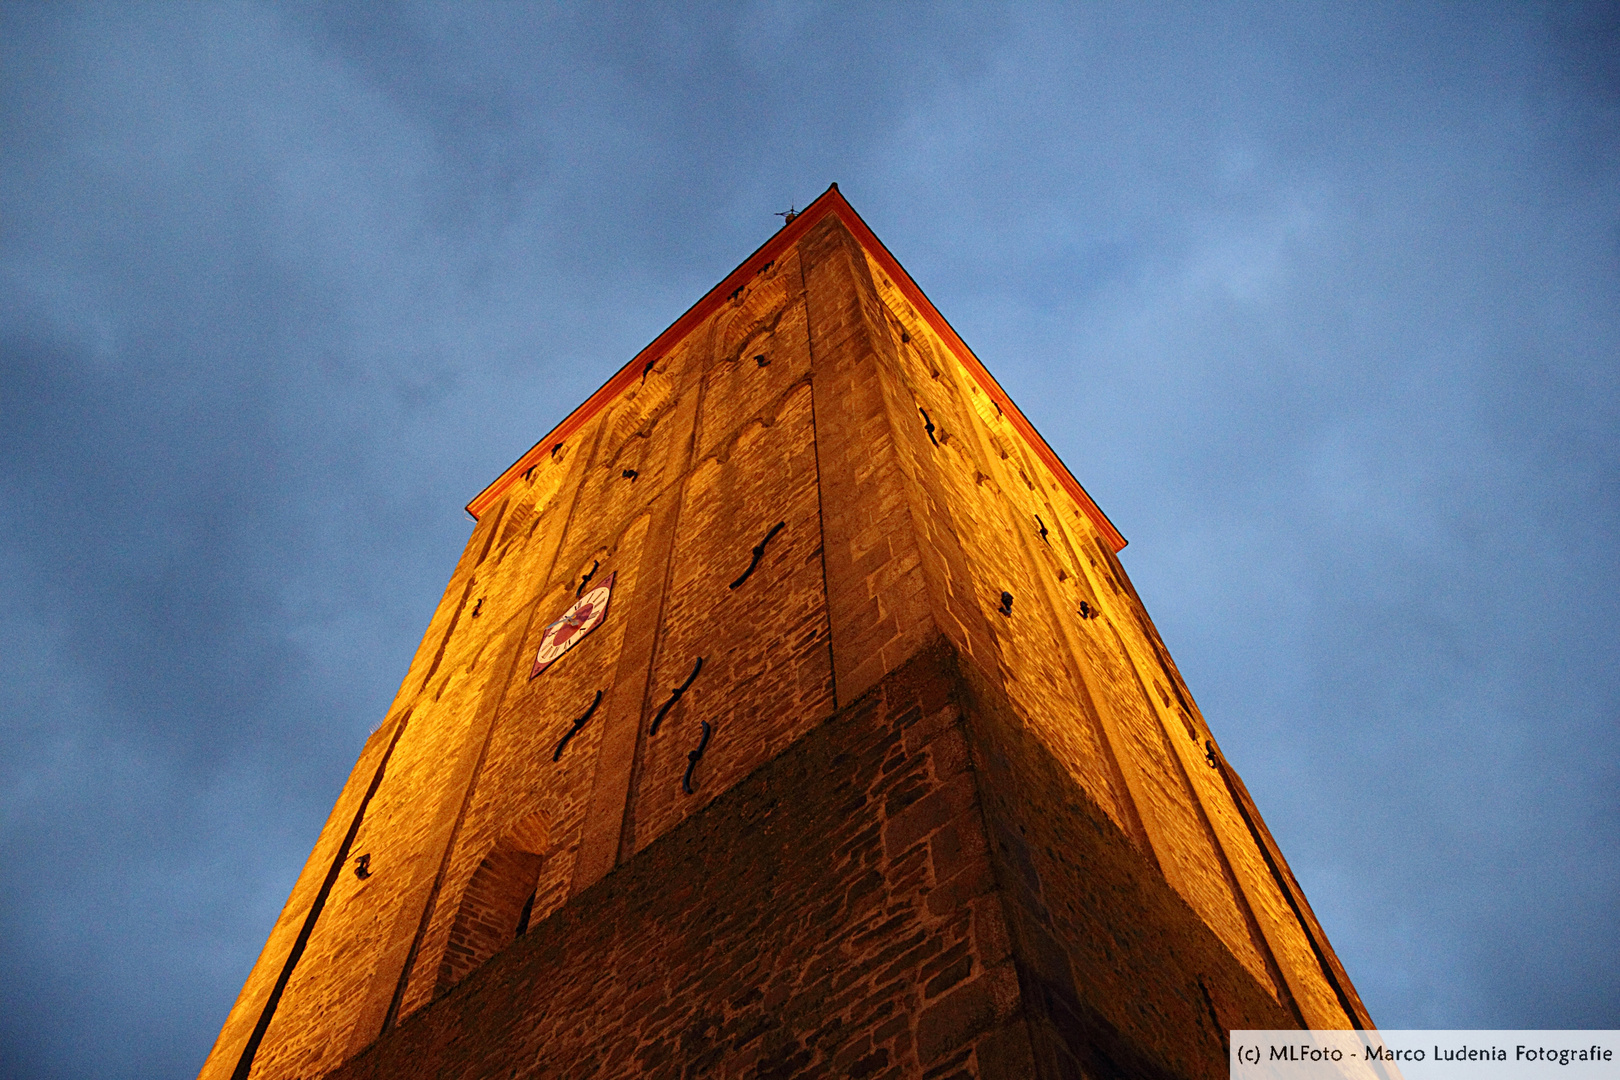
x=789 y=713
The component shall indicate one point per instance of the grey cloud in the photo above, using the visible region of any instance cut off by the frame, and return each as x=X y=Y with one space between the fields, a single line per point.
x=1320 y=305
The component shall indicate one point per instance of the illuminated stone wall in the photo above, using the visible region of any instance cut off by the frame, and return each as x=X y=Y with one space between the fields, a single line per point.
x=1099 y=690
x=810 y=485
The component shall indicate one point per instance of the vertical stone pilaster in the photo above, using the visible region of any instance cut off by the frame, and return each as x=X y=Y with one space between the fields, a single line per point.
x=877 y=592
x=603 y=836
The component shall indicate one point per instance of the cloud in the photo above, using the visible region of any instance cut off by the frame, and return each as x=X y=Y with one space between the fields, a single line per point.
x=1319 y=304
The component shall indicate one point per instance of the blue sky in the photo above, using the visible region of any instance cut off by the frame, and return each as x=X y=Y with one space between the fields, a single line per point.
x=1320 y=302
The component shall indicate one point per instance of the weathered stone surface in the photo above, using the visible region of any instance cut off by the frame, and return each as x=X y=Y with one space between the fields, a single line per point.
x=955 y=812
x=770 y=935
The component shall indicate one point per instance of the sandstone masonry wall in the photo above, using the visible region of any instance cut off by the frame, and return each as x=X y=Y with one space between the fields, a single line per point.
x=1097 y=686
x=898 y=894
x=833 y=914
x=811 y=492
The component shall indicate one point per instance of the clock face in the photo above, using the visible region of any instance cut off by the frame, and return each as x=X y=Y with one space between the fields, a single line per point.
x=585 y=615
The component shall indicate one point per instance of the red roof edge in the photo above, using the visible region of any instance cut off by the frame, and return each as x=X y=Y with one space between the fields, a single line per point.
x=833 y=202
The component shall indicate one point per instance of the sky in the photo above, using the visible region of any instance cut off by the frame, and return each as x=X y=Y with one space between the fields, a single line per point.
x=1321 y=303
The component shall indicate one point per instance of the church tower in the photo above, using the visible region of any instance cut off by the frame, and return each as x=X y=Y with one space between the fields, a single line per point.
x=789 y=713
